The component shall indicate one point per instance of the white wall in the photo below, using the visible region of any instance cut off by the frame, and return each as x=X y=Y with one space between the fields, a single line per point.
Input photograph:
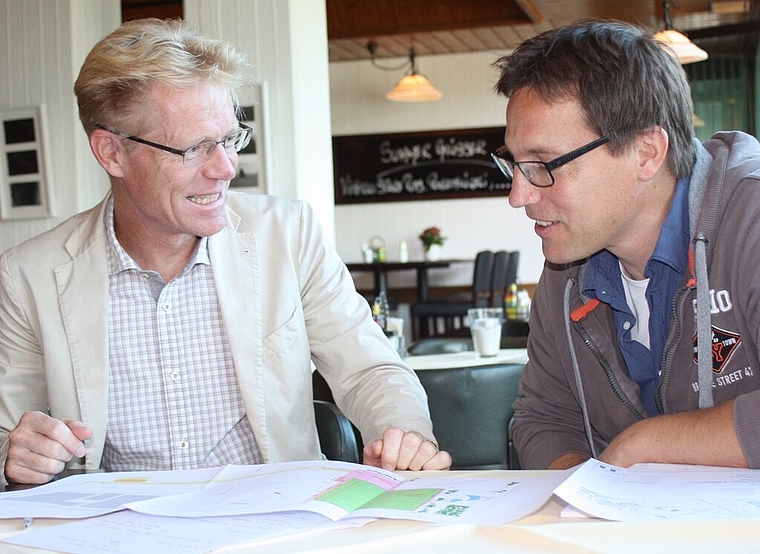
x=286 y=41
x=45 y=44
x=359 y=107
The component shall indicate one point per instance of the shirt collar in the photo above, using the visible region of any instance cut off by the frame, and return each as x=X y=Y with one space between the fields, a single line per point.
x=119 y=259
x=603 y=273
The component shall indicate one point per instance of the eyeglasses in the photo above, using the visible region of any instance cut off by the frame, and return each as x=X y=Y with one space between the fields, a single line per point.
x=198 y=153
x=539 y=174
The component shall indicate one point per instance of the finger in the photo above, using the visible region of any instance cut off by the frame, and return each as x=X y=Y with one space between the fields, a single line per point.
x=371 y=453
x=79 y=429
x=414 y=451
x=391 y=442
x=442 y=460
x=24 y=466
x=47 y=437
x=426 y=451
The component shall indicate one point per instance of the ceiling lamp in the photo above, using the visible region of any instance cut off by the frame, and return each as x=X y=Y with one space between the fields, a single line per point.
x=676 y=43
x=413 y=87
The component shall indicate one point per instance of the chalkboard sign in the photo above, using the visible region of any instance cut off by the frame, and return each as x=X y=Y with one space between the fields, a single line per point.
x=417 y=166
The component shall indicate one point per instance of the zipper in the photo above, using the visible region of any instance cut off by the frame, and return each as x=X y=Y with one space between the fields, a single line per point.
x=670 y=348
x=611 y=380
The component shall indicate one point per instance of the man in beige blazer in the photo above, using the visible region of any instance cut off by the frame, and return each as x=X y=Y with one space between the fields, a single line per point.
x=89 y=329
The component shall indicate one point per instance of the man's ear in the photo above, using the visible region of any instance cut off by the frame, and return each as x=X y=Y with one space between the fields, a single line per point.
x=108 y=151
x=652 y=144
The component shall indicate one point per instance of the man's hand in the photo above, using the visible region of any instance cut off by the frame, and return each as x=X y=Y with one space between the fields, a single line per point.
x=401 y=450
x=41 y=445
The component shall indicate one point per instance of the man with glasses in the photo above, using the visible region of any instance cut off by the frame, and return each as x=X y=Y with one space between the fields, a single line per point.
x=645 y=324
x=175 y=324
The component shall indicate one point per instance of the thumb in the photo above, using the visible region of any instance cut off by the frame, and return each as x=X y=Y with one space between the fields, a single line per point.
x=80 y=430
x=372 y=452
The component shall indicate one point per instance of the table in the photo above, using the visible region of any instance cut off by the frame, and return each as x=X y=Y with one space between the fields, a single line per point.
x=542 y=531
x=381 y=269
x=467 y=358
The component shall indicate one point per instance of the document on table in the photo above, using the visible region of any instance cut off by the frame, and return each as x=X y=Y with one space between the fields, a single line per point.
x=93 y=494
x=339 y=489
x=129 y=532
x=332 y=489
x=656 y=492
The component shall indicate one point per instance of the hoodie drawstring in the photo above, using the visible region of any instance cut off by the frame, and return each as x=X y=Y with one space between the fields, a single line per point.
x=704 y=327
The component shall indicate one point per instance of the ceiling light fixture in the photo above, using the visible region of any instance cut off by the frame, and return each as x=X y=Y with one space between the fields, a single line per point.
x=676 y=43
x=413 y=87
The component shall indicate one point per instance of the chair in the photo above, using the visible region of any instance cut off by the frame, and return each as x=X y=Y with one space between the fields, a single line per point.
x=446 y=317
x=322 y=392
x=512 y=266
x=471 y=408
x=499 y=283
x=337 y=439
x=504 y=274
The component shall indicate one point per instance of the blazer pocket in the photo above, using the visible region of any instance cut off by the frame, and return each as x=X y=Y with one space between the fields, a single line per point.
x=290 y=337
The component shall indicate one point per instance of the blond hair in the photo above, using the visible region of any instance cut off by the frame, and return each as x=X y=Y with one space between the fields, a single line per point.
x=124 y=66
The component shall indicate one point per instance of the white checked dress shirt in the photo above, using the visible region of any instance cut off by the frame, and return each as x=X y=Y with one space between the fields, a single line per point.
x=173 y=397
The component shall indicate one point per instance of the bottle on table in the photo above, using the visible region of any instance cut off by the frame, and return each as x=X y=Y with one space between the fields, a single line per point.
x=511 y=302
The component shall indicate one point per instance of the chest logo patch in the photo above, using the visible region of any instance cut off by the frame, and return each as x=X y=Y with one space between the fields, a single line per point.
x=724 y=344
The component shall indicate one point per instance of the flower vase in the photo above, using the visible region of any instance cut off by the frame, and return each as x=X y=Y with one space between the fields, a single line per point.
x=433 y=253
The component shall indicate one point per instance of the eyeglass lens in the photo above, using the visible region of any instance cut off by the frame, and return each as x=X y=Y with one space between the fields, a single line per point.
x=234 y=142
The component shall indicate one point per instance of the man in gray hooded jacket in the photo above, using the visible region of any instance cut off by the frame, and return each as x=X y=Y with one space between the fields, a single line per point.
x=645 y=324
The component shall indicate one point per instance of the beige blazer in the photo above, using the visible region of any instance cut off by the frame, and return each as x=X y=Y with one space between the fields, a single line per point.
x=286 y=299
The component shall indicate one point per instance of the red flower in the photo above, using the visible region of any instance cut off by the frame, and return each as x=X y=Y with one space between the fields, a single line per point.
x=431 y=236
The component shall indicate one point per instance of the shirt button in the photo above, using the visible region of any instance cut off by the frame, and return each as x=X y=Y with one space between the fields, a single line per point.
x=167 y=306
x=175 y=375
x=626 y=325
x=145 y=276
x=184 y=444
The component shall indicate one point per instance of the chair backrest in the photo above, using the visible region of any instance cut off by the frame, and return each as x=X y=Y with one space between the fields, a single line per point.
x=482 y=275
x=499 y=281
x=471 y=408
x=512 y=266
x=337 y=439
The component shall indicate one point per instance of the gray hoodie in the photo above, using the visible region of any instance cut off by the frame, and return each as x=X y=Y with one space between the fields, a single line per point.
x=575 y=394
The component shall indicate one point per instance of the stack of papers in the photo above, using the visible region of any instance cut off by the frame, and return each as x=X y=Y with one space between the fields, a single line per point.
x=200 y=510
x=658 y=492
x=224 y=503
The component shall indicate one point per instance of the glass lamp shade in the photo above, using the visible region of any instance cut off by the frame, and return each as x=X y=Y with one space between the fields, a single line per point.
x=414 y=88
x=680 y=46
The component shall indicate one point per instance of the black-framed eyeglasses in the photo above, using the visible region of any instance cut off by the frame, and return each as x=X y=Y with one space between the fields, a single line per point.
x=198 y=153
x=539 y=174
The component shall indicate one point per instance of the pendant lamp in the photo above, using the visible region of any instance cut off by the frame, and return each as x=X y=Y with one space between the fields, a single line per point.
x=677 y=43
x=413 y=87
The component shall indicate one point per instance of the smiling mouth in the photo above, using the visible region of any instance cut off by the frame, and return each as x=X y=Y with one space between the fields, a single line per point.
x=543 y=223
x=204 y=199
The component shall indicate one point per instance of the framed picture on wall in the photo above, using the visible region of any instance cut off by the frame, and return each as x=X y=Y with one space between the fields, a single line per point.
x=23 y=165
x=251 y=171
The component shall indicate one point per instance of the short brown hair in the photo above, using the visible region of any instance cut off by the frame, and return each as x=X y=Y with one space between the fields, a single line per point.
x=624 y=80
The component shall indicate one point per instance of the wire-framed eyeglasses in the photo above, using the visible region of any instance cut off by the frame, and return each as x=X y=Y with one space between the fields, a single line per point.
x=198 y=153
x=539 y=174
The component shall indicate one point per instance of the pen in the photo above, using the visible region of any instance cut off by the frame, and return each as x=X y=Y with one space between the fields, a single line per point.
x=28 y=522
